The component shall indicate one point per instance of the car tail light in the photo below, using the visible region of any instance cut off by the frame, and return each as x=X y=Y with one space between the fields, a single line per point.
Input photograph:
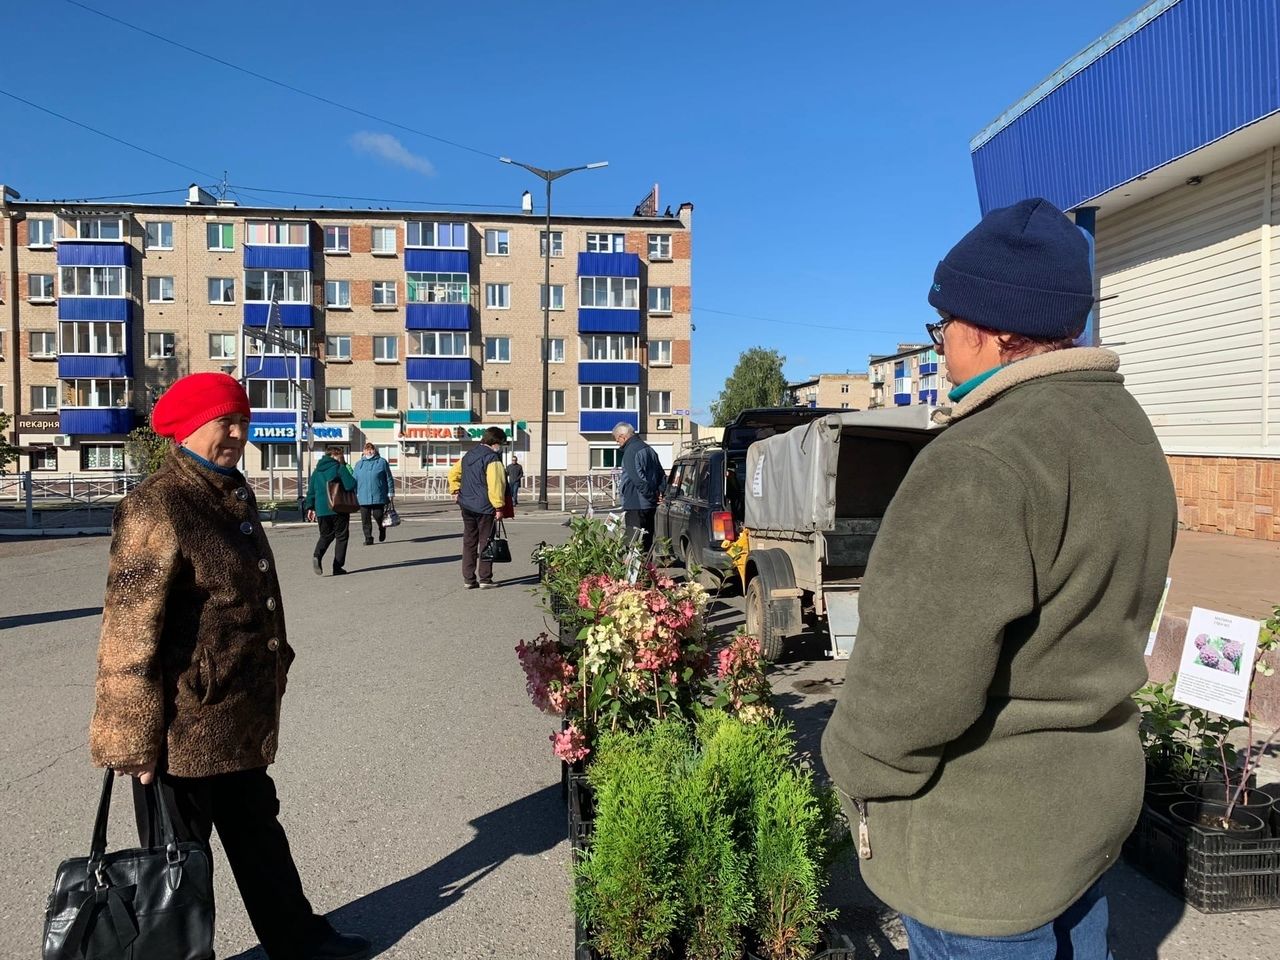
x=722 y=526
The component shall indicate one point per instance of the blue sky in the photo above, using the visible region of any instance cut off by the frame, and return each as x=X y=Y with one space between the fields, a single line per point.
x=823 y=144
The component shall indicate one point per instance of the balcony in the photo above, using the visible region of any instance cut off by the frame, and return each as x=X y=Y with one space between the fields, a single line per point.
x=80 y=366
x=437 y=416
x=598 y=371
x=96 y=421
x=603 y=421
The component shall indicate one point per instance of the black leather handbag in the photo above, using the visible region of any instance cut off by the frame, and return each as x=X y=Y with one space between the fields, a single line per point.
x=497 y=550
x=140 y=904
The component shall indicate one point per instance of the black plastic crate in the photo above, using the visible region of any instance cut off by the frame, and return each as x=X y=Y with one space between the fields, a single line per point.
x=1209 y=871
x=582 y=812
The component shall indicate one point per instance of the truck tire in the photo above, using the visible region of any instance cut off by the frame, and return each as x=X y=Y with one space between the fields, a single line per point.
x=760 y=620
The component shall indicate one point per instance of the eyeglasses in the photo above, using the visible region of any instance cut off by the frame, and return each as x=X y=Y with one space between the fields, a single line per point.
x=935 y=329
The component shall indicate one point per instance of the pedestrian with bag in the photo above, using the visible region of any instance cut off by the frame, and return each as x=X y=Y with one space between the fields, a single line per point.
x=331 y=499
x=643 y=482
x=192 y=666
x=515 y=474
x=479 y=485
x=986 y=742
x=375 y=489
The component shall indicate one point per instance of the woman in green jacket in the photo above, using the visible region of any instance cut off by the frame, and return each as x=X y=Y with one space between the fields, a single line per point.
x=334 y=526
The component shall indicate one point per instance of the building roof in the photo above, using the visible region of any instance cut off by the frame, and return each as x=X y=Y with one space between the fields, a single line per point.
x=900 y=354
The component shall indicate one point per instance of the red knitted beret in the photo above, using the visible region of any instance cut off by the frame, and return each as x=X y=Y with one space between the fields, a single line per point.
x=195 y=400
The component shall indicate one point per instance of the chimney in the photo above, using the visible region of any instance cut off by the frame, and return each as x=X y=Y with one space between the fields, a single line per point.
x=198 y=196
x=526 y=202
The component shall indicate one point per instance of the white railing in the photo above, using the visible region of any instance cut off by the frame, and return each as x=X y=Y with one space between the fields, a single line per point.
x=78 y=487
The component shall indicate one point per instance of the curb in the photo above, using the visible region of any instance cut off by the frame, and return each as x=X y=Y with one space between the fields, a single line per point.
x=57 y=532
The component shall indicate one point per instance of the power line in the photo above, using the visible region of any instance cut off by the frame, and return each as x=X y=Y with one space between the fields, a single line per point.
x=341 y=196
x=795 y=323
x=280 y=83
x=128 y=196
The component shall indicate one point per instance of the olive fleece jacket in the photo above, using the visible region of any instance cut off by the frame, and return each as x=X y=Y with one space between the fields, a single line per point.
x=986 y=716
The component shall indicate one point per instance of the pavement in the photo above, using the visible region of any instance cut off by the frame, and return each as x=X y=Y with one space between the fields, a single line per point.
x=417 y=783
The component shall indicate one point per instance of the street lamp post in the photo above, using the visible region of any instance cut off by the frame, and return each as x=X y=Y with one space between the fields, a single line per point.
x=549 y=176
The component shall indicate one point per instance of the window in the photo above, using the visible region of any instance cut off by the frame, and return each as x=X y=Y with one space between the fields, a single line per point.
x=92 y=337
x=40 y=286
x=659 y=246
x=555 y=401
x=46 y=459
x=442 y=395
x=497 y=296
x=220 y=236
x=160 y=346
x=337 y=293
x=385 y=349
x=337 y=400
x=271 y=394
x=384 y=293
x=222 y=290
x=557 y=243
x=44 y=399
x=337 y=239
x=555 y=350
x=279 y=456
x=337 y=347
x=497 y=243
x=659 y=353
x=160 y=289
x=929 y=382
x=96 y=393
x=40 y=232
x=386 y=399
x=222 y=346
x=618 y=397
x=659 y=401
x=617 y=292
x=384 y=240
x=557 y=296
x=930 y=357
x=606 y=243
x=389 y=452
x=608 y=346
x=439 y=457
x=497 y=401
x=275 y=233
x=439 y=288
x=42 y=343
x=159 y=235
x=844 y=388
x=94 y=281
x=100 y=228
x=102 y=456
x=497 y=349
x=288 y=286
x=438 y=343
x=299 y=336
x=659 y=299
x=606 y=458
x=421 y=233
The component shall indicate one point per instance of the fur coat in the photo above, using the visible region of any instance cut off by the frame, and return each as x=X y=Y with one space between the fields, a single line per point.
x=192 y=657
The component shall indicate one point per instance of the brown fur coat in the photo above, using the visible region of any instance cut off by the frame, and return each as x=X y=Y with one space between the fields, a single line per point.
x=192 y=658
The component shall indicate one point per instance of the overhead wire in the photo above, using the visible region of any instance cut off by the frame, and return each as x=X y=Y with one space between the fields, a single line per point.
x=793 y=323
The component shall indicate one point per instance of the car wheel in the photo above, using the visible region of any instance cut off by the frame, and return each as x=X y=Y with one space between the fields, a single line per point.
x=760 y=621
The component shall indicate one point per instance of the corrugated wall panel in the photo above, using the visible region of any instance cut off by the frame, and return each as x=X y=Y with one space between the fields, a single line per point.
x=1273 y=411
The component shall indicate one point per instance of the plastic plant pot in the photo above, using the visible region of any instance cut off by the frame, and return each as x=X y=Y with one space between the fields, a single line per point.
x=1212 y=818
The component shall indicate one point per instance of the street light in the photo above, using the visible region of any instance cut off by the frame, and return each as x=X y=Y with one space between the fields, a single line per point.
x=548 y=176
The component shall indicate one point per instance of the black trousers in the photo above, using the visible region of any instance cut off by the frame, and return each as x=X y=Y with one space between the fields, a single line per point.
x=244 y=809
x=369 y=516
x=642 y=520
x=335 y=527
x=477 y=531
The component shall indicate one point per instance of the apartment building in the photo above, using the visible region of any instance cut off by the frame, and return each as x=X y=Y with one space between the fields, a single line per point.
x=915 y=373
x=415 y=330
x=840 y=391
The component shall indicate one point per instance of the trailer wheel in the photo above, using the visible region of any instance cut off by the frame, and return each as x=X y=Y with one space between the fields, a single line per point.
x=760 y=620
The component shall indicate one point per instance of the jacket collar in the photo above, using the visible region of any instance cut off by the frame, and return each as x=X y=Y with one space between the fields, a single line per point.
x=1074 y=360
x=194 y=472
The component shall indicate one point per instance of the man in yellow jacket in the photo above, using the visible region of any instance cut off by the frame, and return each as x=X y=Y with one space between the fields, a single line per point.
x=479 y=485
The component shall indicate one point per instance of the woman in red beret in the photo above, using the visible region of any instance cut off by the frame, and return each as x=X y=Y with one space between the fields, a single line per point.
x=193 y=658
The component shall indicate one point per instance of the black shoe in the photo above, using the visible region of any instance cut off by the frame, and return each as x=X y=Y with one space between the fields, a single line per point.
x=368 y=543
x=340 y=946
x=339 y=571
x=470 y=584
x=382 y=534
x=316 y=568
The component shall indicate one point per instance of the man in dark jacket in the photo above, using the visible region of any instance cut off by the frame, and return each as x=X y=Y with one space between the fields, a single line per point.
x=643 y=481
x=515 y=473
x=478 y=483
x=985 y=742
x=375 y=488
x=333 y=525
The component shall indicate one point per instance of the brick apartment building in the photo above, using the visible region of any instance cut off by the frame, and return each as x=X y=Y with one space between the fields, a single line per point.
x=915 y=373
x=416 y=329
x=839 y=391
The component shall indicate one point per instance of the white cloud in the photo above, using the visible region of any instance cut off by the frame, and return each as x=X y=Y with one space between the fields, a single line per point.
x=390 y=149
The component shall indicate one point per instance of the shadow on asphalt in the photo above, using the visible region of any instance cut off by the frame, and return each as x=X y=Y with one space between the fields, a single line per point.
x=52 y=616
x=438 y=536
x=421 y=561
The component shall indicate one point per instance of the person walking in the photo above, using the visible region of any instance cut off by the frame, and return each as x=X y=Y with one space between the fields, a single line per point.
x=515 y=473
x=643 y=481
x=192 y=661
x=478 y=484
x=375 y=488
x=334 y=527
x=986 y=744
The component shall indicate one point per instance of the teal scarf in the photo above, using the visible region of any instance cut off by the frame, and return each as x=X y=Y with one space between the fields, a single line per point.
x=959 y=393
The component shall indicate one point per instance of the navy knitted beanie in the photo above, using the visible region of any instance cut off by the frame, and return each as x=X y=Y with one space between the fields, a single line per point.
x=1023 y=269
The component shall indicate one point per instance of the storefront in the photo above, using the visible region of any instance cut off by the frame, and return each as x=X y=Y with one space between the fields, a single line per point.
x=434 y=448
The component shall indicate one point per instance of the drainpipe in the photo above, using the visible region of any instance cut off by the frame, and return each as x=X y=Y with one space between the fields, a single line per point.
x=1086 y=220
x=11 y=218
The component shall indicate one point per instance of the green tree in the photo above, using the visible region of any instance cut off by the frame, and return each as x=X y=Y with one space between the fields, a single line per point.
x=144 y=448
x=756 y=381
x=8 y=452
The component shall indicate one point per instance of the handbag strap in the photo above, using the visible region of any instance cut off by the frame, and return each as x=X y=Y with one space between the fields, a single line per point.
x=98 y=845
x=499 y=530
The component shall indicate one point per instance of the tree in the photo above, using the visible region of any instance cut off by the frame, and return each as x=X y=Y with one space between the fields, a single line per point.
x=8 y=452
x=144 y=448
x=756 y=381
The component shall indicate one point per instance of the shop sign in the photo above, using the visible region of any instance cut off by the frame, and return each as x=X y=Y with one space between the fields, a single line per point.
x=669 y=423
x=331 y=432
x=38 y=423
x=417 y=432
x=272 y=433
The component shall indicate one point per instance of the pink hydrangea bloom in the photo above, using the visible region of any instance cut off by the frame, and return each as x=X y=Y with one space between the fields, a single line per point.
x=570 y=745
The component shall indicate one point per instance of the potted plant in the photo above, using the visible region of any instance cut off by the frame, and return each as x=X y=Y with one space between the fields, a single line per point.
x=594 y=547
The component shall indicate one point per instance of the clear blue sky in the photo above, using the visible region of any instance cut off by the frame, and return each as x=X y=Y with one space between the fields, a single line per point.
x=823 y=144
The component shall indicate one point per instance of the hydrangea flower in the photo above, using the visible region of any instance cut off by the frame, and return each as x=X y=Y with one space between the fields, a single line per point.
x=1233 y=650
x=1201 y=641
x=1226 y=666
x=570 y=745
x=1209 y=658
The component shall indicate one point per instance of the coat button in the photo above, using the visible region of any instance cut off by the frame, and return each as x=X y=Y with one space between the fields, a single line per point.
x=242 y=494
x=264 y=565
x=273 y=644
x=271 y=603
x=246 y=527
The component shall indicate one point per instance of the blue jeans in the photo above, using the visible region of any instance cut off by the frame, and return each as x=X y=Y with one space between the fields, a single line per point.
x=1079 y=934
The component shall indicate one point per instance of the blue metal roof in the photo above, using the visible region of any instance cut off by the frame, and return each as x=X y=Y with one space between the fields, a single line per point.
x=1174 y=77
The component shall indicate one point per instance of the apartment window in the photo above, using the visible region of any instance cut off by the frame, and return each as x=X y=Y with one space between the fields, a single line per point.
x=337 y=400
x=40 y=232
x=94 y=281
x=659 y=246
x=96 y=393
x=44 y=399
x=659 y=401
x=930 y=357
x=384 y=293
x=222 y=346
x=100 y=228
x=102 y=456
x=40 y=286
x=439 y=457
x=220 y=236
x=438 y=343
x=844 y=388
x=271 y=394
x=616 y=292
x=42 y=344
x=659 y=353
x=497 y=296
x=440 y=395
x=384 y=240
x=555 y=350
x=608 y=346
x=557 y=296
x=160 y=235
x=439 y=288
x=606 y=458
x=497 y=243
x=659 y=299
x=929 y=382
x=610 y=397
x=275 y=234
x=160 y=289
x=279 y=456
x=337 y=347
x=288 y=286
x=101 y=338
x=299 y=337
x=557 y=243
x=386 y=399
x=389 y=452
x=606 y=243
x=497 y=349
x=222 y=290
x=337 y=239
x=160 y=346
x=46 y=459
x=337 y=293
x=385 y=349
x=422 y=233
x=497 y=401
